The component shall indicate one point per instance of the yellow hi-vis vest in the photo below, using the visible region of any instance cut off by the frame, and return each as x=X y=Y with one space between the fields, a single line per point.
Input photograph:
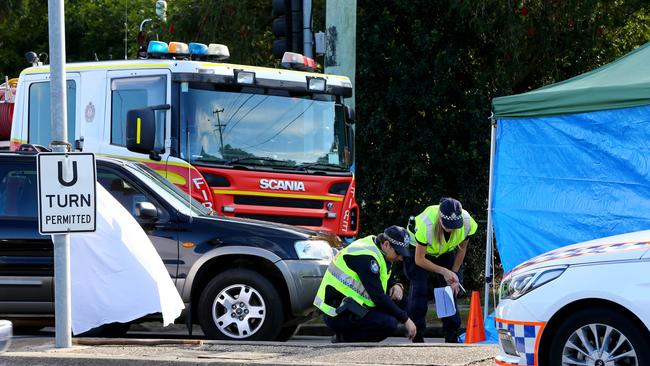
x=346 y=281
x=424 y=228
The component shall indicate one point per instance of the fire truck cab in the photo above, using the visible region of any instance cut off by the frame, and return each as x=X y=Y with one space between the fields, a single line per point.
x=253 y=142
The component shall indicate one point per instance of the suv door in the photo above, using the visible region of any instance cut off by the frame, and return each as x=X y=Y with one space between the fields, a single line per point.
x=26 y=263
x=162 y=230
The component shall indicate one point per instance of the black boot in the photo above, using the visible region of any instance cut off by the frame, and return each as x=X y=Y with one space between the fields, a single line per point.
x=419 y=338
x=337 y=338
x=451 y=337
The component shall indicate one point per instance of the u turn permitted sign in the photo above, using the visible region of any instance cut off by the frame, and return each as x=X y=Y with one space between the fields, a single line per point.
x=66 y=193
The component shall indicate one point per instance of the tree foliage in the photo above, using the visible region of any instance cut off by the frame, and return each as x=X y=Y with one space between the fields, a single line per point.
x=95 y=29
x=427 y=72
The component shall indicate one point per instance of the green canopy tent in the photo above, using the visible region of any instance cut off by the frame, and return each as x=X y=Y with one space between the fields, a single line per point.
x=570 y=161
x=622 y=83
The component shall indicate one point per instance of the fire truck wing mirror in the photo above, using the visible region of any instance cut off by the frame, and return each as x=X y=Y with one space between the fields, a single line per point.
x=350 y=115
x=140 y=130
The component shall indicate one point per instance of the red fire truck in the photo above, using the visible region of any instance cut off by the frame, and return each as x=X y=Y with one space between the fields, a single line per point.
x=254 y=142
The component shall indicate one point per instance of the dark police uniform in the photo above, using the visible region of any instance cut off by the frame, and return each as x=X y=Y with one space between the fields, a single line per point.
x=360 y=273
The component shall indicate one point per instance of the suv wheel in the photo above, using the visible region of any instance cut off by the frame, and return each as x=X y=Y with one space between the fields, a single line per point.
x=240 y=304
x=599 y=337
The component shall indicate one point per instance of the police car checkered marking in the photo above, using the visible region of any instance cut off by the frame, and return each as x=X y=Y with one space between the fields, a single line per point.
x=562 y=253
x=526 y=336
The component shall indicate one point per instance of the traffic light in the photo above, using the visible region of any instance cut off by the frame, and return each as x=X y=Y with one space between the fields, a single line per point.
x=287 y=27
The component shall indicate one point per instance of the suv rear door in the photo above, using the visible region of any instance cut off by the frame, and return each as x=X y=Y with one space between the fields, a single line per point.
x=26 y=264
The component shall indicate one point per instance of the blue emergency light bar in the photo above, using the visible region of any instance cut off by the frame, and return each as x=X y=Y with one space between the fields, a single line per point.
x=195 y=51
x=157 y=49
x=198 y=49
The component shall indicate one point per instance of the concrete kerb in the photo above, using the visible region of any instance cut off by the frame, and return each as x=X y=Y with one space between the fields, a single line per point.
x=129 y=352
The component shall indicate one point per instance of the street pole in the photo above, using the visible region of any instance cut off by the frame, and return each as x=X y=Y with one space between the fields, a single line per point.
x=306 y=29
x=341 y=40
x=62 y=302
x=219 y=125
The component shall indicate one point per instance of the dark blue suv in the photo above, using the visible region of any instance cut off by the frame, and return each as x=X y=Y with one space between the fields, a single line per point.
x=271 y=270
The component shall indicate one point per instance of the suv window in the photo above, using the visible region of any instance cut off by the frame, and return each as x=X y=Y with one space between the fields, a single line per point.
x=18 y=195
x=126 y=193
x=40 y=116
x=132 y=93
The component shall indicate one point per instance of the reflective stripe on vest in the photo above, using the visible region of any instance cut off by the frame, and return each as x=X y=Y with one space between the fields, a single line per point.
x=346 y=281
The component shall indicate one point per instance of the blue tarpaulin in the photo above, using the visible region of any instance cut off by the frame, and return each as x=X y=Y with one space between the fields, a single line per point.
x=563 y=179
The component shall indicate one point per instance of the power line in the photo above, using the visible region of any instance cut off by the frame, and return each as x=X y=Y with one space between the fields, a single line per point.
x=283 y=128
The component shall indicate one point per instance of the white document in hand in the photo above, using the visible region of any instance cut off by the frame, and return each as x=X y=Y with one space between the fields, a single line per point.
x=444 y=297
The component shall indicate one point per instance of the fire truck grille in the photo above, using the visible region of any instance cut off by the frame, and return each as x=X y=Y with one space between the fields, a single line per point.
x=278 y=202
x=290 y=220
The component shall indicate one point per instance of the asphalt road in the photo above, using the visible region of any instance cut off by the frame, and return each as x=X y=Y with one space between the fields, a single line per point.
x=172 y=347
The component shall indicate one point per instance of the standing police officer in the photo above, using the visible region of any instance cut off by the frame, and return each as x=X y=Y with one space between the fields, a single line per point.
x=357 y=295
x=440 y=240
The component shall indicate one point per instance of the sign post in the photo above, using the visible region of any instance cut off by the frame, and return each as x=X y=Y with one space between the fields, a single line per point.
x=56 y=27
x=66 y=204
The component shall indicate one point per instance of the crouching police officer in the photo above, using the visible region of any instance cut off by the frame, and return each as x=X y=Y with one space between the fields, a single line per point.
x=358 y=298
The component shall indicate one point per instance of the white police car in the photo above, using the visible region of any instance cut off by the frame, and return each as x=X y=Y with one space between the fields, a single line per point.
x=583 y=304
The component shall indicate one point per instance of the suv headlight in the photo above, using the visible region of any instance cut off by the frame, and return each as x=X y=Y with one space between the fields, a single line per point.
x=518 y=285
x=314 y=249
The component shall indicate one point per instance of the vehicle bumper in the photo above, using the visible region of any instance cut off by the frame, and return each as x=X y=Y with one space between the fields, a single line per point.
x=519 y=334
x=303 y=279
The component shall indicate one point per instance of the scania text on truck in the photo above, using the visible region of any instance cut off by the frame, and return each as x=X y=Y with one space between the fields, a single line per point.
x=254 y=142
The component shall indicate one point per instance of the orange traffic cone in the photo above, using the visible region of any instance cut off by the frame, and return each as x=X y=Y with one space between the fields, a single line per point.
x=475 y=329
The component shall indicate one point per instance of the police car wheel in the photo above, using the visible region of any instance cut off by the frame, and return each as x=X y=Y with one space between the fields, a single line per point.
x=240 y=305
x=599 y=337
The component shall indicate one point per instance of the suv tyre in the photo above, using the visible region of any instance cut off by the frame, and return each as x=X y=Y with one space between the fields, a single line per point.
x=240 y=304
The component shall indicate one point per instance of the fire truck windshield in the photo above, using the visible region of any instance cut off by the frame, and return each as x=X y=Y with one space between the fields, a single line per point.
x=263 y=128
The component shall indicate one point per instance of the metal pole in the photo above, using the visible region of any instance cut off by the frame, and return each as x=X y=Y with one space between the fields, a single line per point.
x=490 y=229
x=341 y=33
x=62 y=306
x=219 y=125
x=306 y=29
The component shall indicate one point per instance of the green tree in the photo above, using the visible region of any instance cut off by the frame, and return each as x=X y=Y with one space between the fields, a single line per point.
x=427 y=72
x=242 y=25
x=94 y=30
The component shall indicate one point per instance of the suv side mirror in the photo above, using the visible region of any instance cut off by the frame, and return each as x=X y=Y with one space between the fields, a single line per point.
x=141 y=130
x=350 y=115
x=146 y=210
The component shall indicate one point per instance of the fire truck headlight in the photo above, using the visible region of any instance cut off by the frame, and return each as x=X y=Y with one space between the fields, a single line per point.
x=314 y=249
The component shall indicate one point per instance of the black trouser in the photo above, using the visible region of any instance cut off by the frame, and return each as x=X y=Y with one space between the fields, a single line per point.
x=420 y=292
x=375 y=326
